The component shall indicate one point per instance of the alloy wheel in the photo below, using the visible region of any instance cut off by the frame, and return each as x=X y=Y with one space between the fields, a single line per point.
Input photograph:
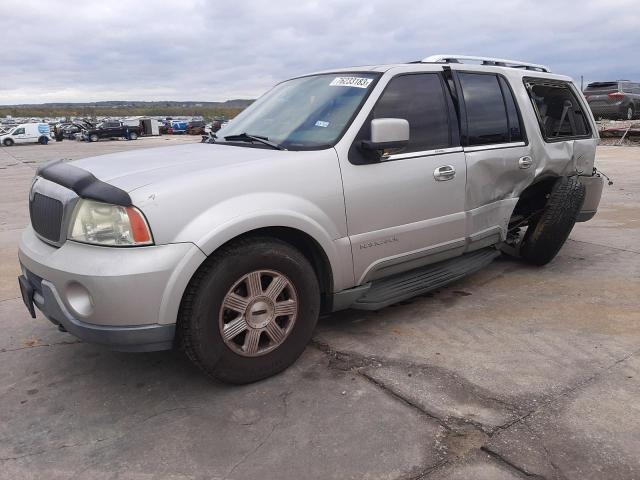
x=258 y=313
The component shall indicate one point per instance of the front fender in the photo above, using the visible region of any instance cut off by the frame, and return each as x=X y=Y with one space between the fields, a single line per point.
x=239 y=215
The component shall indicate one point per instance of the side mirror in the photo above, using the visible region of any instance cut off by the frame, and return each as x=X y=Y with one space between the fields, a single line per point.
x=387 y=133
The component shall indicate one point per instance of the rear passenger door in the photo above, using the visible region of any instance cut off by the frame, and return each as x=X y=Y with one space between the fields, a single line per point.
x=499 y=160
x=406 y=209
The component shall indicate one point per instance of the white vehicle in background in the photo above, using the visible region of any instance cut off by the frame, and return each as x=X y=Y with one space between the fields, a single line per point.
x=27 y=133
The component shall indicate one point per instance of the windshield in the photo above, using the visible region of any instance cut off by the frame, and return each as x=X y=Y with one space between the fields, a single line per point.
x=304 y=113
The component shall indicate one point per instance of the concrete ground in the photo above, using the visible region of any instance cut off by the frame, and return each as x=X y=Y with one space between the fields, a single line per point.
x=515 y=372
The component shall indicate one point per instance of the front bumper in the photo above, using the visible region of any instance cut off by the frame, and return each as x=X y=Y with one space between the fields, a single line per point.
x=140 y=338
x=123 y=298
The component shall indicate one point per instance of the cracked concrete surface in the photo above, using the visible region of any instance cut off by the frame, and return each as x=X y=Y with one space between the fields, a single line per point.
x=515 y=372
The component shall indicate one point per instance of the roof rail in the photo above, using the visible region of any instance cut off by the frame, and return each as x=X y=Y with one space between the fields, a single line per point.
x=498 y=62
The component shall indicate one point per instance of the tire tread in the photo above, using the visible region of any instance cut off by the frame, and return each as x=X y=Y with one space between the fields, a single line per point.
x=544 y=239
x=188 y=331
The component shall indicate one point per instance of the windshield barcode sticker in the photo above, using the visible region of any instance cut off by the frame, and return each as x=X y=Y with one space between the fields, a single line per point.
x=358 y=82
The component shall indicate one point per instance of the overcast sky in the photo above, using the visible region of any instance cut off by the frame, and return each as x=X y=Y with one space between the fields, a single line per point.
x=200 y=50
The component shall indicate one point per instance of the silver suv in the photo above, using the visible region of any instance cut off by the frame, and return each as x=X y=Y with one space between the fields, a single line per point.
x=351 y=188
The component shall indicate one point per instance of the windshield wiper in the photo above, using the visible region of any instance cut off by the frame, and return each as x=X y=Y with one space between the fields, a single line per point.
x=245 y=137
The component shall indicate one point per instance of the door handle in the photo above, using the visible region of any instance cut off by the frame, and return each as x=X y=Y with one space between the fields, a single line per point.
x=444 y=173
x=525 y=162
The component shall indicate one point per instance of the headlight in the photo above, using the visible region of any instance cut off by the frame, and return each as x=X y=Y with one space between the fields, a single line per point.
x=104 y=224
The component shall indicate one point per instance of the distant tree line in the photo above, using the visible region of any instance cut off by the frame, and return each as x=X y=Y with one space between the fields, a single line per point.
x=118 y=111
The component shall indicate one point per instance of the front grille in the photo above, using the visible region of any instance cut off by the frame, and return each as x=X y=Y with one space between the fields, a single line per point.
x=46 y=216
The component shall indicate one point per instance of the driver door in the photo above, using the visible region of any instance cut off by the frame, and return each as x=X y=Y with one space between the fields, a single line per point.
x=19 y=136
x=406 y=209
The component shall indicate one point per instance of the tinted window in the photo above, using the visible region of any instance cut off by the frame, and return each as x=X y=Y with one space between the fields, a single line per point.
x=559 y=111
x=420 y=100
x=19 y=131
x=486 y=113
x=515 y=129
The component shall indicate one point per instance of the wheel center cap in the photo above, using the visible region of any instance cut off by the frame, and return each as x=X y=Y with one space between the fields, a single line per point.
x=260 y=312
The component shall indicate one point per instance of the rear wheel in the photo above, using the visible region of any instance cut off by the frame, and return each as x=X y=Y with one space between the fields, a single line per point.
x=8 y=142
x=250 y=310
x=628 y=113
x=43 y=140
x=133 y=136
x=548 y=231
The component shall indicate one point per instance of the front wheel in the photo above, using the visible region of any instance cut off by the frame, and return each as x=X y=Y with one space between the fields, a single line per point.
x=8 y=142
x=133 y=136
x=250 y=310
x=93 y=137
x=628 y=113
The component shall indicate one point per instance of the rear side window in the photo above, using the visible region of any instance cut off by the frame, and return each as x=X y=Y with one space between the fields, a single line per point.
x=559 y=112
x=420 y=99
x=492 y=115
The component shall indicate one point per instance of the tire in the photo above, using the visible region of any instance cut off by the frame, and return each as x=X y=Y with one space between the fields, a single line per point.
x=133 y=136
x=43 y=140
x=223 y=280
x=547 y=233
x=8 y=142
x=93 y=137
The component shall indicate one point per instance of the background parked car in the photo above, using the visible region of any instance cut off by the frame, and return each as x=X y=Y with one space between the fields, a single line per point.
x=177 y=127
x=27 y=133
x=112 y=129
x=70 y=130
x=196 y=127
x=615 y=100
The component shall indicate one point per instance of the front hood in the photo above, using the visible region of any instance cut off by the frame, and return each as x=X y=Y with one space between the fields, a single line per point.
x=136 y=168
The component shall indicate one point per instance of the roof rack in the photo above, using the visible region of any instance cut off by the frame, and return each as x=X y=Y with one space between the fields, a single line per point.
x=497 y=62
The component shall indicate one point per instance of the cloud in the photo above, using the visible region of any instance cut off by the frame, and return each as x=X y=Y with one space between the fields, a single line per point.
x=200 y=50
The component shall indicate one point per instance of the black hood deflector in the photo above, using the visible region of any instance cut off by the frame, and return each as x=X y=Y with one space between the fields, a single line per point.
x=83 y=183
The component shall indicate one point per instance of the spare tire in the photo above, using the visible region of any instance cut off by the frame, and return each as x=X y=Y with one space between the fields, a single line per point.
x=550 y=229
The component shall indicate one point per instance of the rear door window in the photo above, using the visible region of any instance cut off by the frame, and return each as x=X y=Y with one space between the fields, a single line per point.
x=491 y=112
x=559 y=111
x=420 y=99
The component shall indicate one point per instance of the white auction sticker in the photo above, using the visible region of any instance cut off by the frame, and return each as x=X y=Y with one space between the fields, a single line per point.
x=358 y=82
x=321 y=123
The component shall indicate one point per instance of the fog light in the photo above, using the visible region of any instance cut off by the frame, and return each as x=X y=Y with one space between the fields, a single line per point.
x=79 y=298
